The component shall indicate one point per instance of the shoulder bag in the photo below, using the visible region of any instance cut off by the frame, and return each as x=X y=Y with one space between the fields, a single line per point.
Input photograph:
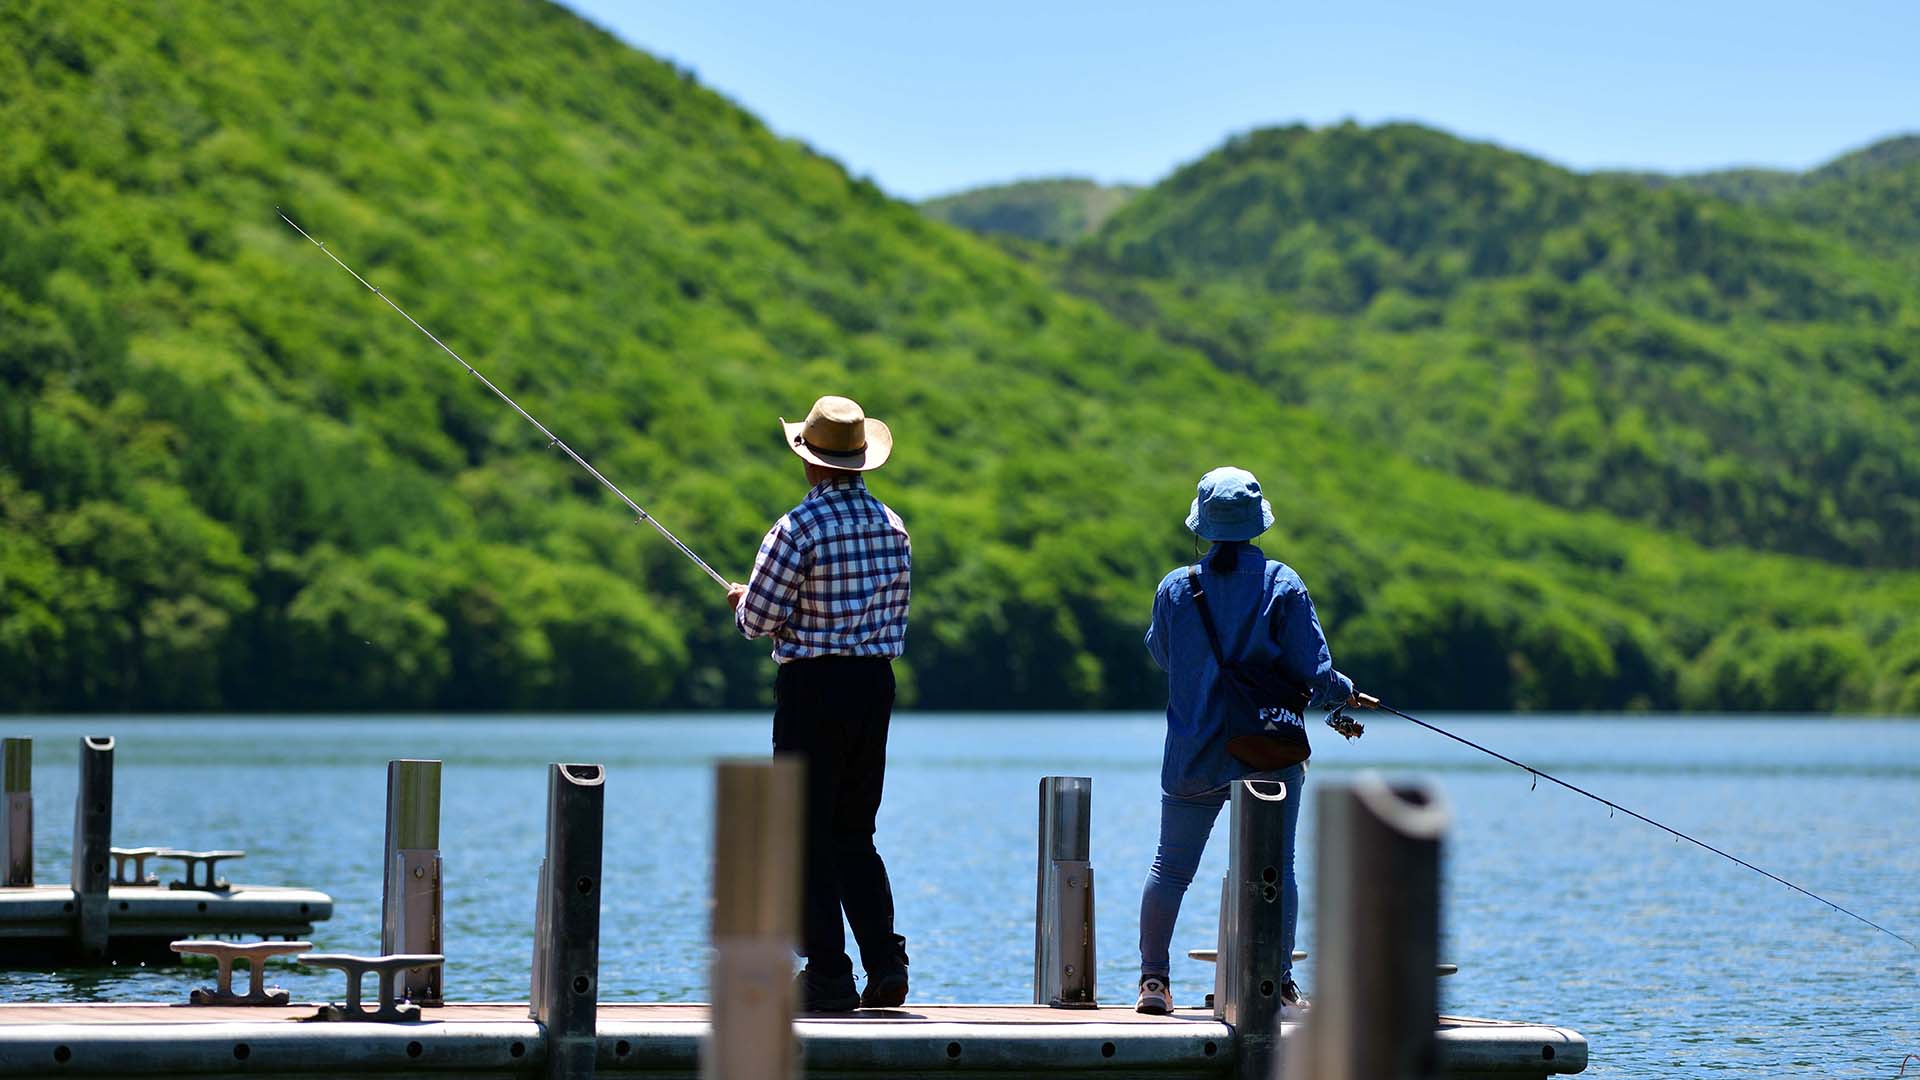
x=1264 y=737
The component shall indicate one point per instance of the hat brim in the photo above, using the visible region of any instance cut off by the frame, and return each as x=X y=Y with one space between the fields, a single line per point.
x=879 y=447
x=1218 y=531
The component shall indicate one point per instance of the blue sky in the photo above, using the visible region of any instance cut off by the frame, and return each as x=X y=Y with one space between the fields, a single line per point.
x=929 y=98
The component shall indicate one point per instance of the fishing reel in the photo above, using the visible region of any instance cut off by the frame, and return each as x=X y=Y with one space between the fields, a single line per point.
x=1348 y=726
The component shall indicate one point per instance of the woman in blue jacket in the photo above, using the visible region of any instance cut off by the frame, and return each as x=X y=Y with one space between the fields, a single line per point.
x=1262 y=614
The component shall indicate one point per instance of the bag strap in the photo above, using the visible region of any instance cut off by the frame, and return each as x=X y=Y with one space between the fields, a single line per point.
x=1206 y=614
x=1213 y=636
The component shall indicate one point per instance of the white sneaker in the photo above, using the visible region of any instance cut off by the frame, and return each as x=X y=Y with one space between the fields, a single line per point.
x=1293 y=1003
x=1155 y=998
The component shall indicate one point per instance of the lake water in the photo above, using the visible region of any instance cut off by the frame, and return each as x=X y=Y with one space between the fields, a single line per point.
x=1670 y=960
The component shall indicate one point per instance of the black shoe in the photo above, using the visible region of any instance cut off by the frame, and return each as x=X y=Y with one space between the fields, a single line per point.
x=834 y=994
x=885 y=991
x=886 y=979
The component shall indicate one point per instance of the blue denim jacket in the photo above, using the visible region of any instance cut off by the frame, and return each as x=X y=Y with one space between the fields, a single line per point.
x=1263 y=613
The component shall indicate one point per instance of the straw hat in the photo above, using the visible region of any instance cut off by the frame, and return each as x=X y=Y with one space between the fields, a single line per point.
x=838 y=435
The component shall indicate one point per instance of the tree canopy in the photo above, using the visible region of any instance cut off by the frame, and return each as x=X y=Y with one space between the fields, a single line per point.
x=1726 y=371
x=230 y=478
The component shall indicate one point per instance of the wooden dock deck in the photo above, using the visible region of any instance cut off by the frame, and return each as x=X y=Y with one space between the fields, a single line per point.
x=498 y=1040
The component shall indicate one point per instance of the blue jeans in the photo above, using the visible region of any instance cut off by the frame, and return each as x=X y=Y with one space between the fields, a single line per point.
x=1185 y=822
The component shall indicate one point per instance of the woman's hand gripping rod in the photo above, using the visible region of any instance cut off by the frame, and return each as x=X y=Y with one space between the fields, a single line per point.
x=552 y=439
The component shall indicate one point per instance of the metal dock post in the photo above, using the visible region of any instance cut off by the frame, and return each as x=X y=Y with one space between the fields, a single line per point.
x=756 y=916
x=410 y=902
x=566 y=959
x=1378 y=894
x=16 y=814
x=92 y=847
x=1252 y=921
x=1063 y=967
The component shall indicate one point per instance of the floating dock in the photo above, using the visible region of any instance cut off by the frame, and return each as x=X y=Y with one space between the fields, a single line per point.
x=114 y=910
x=500 y=1040
x=36 y=922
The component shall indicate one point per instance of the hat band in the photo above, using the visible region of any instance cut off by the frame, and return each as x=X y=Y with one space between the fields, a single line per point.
x=802 y=440
x=1238 y=511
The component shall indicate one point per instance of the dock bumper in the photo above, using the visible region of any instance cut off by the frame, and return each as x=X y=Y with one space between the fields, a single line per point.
x=258 y=910
x=474 y=1048
x=1472 y=1048
x=1191 y=1047
x=665 y=1040
x=914 y=1041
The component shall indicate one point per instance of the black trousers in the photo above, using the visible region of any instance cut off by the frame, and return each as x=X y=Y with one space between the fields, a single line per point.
x=832 y=713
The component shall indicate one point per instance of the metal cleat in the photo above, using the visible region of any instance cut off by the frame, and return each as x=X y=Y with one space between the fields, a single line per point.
x=138 y=856
x=255 y=953
x=196 y=859
x=386 y=968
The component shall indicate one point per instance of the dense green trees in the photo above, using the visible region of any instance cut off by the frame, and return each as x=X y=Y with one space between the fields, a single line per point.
x=1591 y=341
x=229 y=477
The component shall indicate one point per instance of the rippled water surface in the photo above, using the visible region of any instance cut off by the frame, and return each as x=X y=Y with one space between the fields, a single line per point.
x=1671 y=961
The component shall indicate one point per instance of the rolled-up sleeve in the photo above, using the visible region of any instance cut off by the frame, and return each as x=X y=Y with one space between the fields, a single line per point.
x=774 y=586
x=1304 y=645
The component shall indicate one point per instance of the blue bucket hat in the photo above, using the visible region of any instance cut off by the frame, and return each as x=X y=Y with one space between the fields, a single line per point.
x=1229 y=506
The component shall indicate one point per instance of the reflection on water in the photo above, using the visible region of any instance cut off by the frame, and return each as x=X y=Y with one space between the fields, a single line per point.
x=1670 y=960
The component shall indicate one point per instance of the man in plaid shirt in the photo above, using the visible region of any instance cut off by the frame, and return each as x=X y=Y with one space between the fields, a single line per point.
x=830 y=587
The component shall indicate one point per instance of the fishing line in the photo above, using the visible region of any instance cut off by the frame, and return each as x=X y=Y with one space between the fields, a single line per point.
x=552 y=439
x=1347 y=722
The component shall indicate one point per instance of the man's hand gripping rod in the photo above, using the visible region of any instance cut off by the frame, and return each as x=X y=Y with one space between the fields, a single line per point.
x=552 y=439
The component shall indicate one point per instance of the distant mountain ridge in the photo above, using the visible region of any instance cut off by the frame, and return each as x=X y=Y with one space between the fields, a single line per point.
x=1871 y=195
x=1590 y=340
x=1755 y=184
x=1066 y=209
x=1053 y=211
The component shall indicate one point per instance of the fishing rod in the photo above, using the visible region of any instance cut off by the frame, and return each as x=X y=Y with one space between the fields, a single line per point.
x=1348 y=726
x=552 y=439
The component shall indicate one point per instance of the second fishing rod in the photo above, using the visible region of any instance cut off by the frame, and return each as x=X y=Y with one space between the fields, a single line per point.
x=1342 y=721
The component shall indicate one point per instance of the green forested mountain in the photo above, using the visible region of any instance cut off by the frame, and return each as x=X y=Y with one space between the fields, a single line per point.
x=1056 y=211
x=1888 y=155
x=229 y=477
x=1878 y=209
x=1716 y=369
x=1871 y=195
x=1762 y=185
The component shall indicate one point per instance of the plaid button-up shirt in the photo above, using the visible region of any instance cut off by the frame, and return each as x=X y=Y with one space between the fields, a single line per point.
x=831 y=578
